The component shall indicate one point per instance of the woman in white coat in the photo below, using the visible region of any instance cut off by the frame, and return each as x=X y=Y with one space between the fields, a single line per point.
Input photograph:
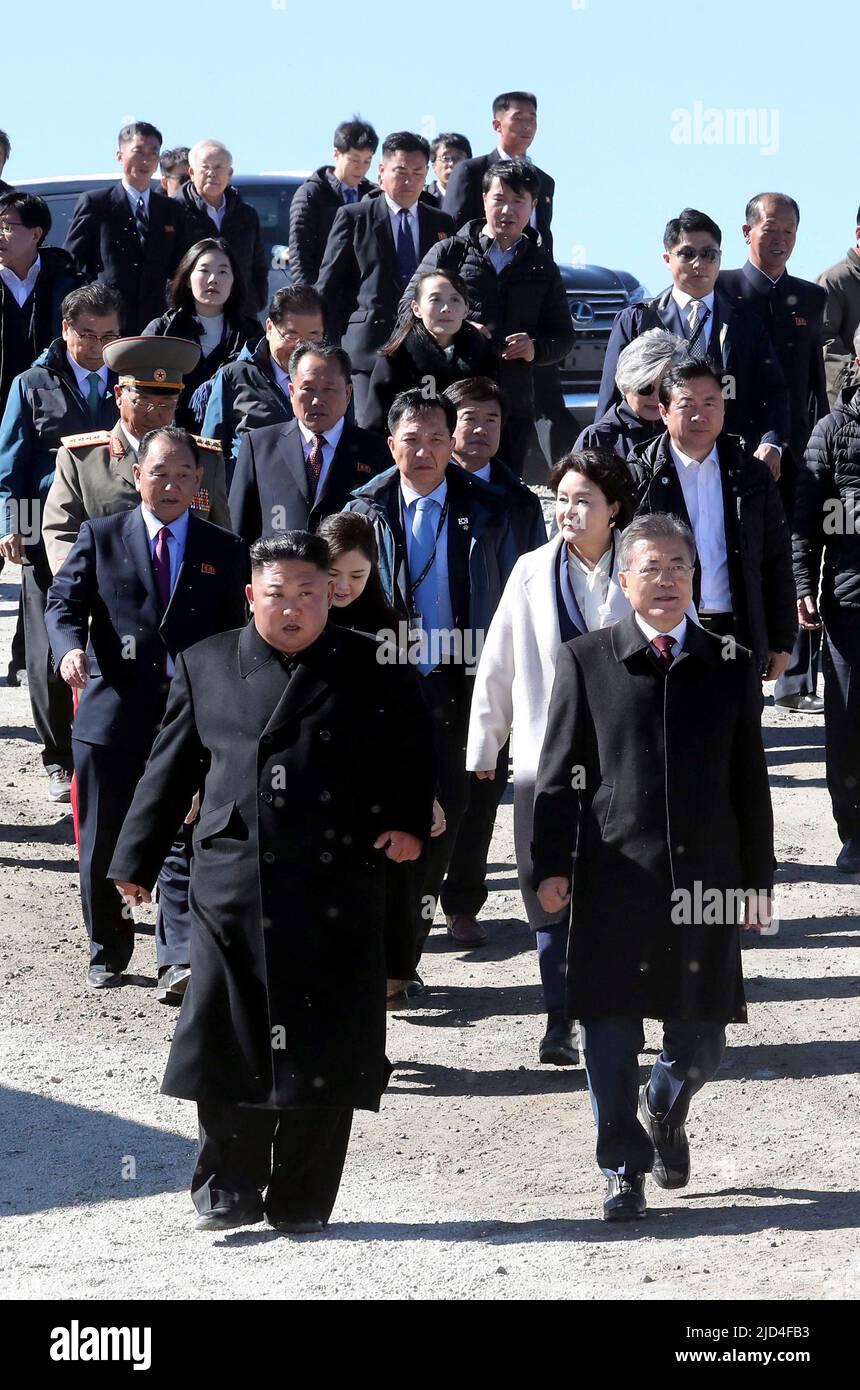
x=565 y=588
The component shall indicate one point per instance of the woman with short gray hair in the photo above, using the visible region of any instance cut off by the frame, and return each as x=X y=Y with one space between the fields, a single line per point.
x=636 y=417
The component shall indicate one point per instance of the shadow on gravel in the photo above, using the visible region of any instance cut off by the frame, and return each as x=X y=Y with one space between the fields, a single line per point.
x=430 y=1079
x=799 y=1210
x=509 y=937
x=58 y=832
x=58 y=1155
x=779 y=1060
x=766 y=990
x=9 y=731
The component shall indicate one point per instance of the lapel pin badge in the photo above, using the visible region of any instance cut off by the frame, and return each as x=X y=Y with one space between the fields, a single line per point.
x=464 y=522
x=665 y=481
x=207 y=569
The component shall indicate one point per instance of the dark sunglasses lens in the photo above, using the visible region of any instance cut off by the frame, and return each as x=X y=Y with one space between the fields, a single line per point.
x=645 y=391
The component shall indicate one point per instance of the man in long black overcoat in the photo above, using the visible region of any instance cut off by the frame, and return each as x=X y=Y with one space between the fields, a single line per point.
x=652 y=803
x=313 y=761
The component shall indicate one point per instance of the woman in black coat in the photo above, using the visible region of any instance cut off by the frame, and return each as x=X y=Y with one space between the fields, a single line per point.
x=359 y=603
x=432 y=346
x=205 y=296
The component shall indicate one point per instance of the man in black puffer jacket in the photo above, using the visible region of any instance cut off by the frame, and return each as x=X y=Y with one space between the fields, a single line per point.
x=742 y=586
x=827 y=525
x=515 y=292
x=316 y=204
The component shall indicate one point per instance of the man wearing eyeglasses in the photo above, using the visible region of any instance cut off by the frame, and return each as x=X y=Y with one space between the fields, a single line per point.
x=653 y=822
x=718 y=328
x=68 y=389
x=94 y=474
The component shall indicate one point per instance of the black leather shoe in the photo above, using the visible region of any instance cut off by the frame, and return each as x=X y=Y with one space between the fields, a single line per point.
x=848 y=861
x=803 y=704
x=625 y=1198
x=298 y=1228
x=172 y=983
x=557 y=1048
x=671 y=1149
x=102 y=977
x=228 y=1218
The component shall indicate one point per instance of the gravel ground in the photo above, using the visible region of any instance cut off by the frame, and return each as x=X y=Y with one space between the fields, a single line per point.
x=477 y=1179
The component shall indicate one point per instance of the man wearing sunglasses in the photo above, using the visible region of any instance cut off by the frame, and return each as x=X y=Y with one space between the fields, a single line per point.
x=717 y=328
x=67 y=390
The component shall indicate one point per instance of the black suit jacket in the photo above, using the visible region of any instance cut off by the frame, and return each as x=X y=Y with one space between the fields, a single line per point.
x=464 y=197
x=102 y=239
x=105 y=601
x=360 y=279
x=754 y=387
x=793 y=316
x=270 y=492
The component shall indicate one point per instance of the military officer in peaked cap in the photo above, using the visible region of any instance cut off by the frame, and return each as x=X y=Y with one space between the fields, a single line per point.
x=93 y=474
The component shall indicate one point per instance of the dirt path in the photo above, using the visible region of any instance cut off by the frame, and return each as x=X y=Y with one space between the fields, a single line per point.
x=477 y=1180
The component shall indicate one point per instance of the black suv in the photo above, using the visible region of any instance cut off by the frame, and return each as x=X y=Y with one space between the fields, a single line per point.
x=595 y=295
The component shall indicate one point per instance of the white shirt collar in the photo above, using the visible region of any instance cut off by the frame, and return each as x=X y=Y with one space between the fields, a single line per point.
x=178 y=528
x=395 y=209
x=82 y=374
x=682 y=299
x=134 y=193
x=331 y=436
x=679 y=632
x=21 y=288
x=603 y=566
x=135 y=443
x=684 y=461
x=410 y=495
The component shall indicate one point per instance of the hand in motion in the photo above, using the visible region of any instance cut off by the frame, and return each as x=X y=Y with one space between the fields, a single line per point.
x=75 y=669
x=398 y=845
x=439 y=825
x=132 y=894
x=807 y=614
x=12 y=548
x=519 y=345
x=554 y=894
x=758 y=912
x=769 y=454
x=776 y=664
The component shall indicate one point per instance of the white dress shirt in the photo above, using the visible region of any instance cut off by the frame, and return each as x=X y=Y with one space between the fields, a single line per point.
x=679 y=633
x=703 y=495
x=175 y=548
x=331 y=439
x=394 y=212
x=134 y=195
x=217 y=214
x=682 y=300
x=82 y=376
x=590 y=585
x=21 y=289
x=505 y=158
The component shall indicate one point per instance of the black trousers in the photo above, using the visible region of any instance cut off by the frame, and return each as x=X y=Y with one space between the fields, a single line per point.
x=360 y=393
x=691 y=1055
x=106 y=780
x=842 y=719
x=556 y=427
x=50 y=697
x=446 y=695
x=800 y=676
x=519 y=444
x=465 y=887
x=296 y=1155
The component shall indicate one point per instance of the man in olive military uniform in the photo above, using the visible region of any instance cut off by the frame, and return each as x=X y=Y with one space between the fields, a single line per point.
x=93 y=474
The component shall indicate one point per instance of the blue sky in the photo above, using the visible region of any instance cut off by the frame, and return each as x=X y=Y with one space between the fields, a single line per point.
x=638 y=103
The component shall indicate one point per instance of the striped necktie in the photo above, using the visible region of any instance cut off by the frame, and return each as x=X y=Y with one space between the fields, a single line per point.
x=698 y=314
x=141 y=221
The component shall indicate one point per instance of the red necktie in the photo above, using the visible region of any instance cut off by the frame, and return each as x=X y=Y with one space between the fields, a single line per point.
x=664 y=644
x=161 y=566
x=315 y=463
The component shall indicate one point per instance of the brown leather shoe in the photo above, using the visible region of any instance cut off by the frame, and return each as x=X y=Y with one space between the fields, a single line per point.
x=466 y=930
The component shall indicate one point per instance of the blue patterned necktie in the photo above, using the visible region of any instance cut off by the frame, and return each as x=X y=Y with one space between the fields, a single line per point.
x=425 y=522
x=406 y=257
x=350 y=195
x=94 y=398
x=698 y=314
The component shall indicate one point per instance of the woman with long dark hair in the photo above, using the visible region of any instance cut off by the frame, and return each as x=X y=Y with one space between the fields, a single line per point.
x=205 y=297
x=432 y=346
x=359 y=603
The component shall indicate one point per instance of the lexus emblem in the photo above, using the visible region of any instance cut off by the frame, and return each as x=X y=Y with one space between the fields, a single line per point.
x=582 y=313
